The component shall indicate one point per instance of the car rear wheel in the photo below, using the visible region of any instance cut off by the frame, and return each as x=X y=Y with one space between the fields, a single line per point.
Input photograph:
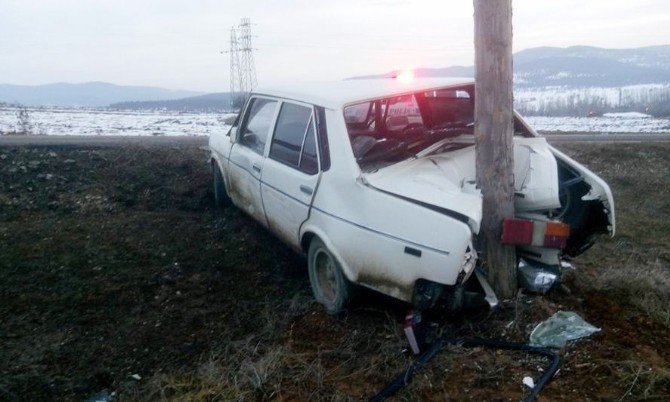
x=329 y=285
x=221 y=198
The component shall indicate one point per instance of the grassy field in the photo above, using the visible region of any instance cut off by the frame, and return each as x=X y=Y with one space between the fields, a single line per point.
x=117 y=274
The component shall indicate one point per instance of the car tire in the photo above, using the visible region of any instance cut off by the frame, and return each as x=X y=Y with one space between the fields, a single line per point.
x=330 y=286
x=221 y=198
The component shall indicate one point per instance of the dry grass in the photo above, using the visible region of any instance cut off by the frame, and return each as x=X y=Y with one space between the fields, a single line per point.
x=646 y=287
x=117 y=265
x=635 y=265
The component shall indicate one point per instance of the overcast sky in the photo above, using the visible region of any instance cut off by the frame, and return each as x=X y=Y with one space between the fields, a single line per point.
x=177 y=44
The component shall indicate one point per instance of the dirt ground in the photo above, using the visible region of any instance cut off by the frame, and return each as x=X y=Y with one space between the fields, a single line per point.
x=117 y=275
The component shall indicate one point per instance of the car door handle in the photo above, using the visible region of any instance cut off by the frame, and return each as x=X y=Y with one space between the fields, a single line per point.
x=306 y=189
x=256 y=167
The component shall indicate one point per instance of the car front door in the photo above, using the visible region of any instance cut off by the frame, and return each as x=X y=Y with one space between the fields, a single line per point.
x=291 y=171
x=247 y=156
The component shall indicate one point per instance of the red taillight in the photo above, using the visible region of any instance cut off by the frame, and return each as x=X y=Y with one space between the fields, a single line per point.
x=556 y=235
x=517 y=231
x=535 y=233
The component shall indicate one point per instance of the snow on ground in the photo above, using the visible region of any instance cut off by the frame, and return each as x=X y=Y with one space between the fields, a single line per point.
x=627 y=115
x=546 y=100
x=62 y=121
x=606 y=124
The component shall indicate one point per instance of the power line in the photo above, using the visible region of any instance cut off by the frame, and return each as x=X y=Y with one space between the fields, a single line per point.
x=374 y=48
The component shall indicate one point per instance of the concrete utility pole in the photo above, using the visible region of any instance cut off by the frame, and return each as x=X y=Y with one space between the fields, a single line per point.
x=494 y=128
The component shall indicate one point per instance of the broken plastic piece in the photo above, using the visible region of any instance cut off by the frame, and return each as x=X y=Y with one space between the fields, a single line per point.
x=567 y=265
x=560 y=328
x=489 y=294
x=102 y=396
x=538 y=279
x=410 y=323
x=528 y=381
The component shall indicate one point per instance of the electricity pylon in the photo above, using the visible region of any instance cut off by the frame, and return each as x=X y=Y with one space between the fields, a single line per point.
x=242 y=65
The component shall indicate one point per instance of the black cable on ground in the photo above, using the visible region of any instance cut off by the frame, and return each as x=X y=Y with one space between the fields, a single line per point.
x=405 y=377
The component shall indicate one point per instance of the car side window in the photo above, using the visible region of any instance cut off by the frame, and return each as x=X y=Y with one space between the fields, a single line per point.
x=308 y=159
x=258 y=122
x=294 y=143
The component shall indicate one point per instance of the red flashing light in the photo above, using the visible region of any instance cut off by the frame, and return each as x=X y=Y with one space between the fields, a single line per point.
x=405 y=76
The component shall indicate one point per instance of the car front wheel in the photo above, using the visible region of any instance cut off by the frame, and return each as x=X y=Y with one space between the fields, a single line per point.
x=329 y=285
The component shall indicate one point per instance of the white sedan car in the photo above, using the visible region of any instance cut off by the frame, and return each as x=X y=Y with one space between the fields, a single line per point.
x=375 y=181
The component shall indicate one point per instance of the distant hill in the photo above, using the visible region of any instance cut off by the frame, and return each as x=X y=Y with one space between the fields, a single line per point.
x=576 y=80
x=576 y=66
x=90 y=94
x=581 y=80
x=583 y=66
x=214 y=102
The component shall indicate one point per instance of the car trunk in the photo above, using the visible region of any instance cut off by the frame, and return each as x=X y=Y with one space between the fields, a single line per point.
x=546 y=188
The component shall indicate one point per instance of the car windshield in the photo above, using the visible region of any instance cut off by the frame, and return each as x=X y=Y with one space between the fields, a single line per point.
x=388 y=130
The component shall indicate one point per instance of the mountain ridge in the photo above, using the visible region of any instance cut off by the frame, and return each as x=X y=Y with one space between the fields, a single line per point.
x=87 y=94
x=542 y=70
x=574 y=66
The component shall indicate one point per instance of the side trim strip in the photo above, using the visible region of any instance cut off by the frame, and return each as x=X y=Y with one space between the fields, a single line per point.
x=271 y=186
x=239 y=166
x=445 y=252
x=287 y=195
x=382 y=233
x=453 y=214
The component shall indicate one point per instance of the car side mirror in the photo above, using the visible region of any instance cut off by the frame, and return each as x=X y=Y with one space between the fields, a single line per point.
x=232 y=133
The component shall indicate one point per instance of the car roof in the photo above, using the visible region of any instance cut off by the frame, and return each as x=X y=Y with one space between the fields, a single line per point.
x=336 y=94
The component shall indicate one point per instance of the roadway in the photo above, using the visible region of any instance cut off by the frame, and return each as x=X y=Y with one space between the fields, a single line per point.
x=114 y=140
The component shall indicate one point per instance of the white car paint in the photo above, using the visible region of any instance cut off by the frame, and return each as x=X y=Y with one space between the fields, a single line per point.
x=412 y=220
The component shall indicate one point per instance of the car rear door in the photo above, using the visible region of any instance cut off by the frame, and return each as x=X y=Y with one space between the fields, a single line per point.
x=291 y=171
x=247 y=156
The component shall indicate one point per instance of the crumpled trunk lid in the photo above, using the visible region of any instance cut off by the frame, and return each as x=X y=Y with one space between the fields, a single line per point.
x=448 y=180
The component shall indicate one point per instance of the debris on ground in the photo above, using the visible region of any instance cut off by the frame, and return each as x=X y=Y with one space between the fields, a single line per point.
x=68 y=332
x=536 y=279
x=528 y=381
x=560 y=328
x=102 y=396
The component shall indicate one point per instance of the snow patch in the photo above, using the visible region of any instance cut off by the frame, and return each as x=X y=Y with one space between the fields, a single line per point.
x=554 y=99
x=627 y=115
x=599 y=124
x=75 y=121
x=62 y=121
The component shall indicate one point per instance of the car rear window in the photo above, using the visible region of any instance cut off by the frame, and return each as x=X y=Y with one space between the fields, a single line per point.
x=387 y=130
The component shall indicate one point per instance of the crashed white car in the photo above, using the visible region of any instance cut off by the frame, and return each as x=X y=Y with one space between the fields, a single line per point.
x=375 y=181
